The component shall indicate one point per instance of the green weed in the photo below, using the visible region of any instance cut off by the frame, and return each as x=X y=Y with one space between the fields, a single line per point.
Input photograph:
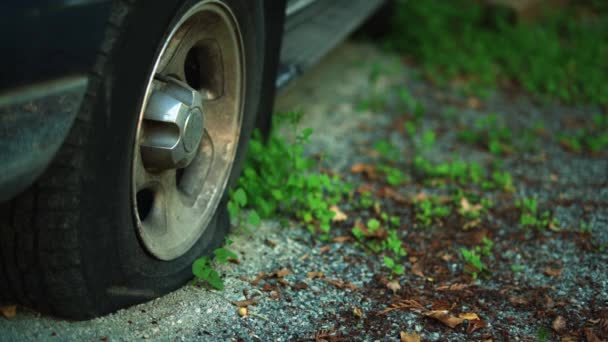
x=461 y=40
x=489 y=133
x=202 y=268
x=531 y=217
x=429 y=211
x=473 y=259
x=590 y=139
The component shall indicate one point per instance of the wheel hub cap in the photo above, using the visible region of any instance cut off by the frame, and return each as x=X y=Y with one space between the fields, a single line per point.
x=173 y=125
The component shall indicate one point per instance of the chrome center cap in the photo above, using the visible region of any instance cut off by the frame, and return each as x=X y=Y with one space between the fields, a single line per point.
x=174 y=126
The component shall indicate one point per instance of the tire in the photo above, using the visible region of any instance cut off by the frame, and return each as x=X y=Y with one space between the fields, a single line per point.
x=69 y=245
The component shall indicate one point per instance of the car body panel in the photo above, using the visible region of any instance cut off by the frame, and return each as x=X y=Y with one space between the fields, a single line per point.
x=50 y=46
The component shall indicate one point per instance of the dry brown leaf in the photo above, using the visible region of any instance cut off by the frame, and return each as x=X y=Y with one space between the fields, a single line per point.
x=300 y=286
x=408 y=337
x=268 y=288
x=313 y=275
x=339 y=216
x=393 y=285
x=466 y=206
x=365 y=188
x=342 y=239
x=410 y=304
x=471 y=224
x=421 y=196
x=473 y=103
x=453 y=287
x=340 y=285
x=357 y=312
x=417 y=269
x=469 y=316
x=368 y=170
x=8 y=311
x=559 y=324
x=256 y=281
x=475 y=325
x=444 y=317
x=391 y=193
x=517 y=300
x=245 y=303
x=282 y=273
x=323 y=249
x=553 y=272
x=591 y=336
x=604 y=324
x=569 y=338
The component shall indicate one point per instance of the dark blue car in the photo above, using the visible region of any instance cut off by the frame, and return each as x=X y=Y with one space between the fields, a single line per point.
x=122 y=125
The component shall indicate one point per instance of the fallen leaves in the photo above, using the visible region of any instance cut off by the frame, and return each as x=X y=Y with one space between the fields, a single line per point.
x=447 y=319
x=245 y=303
x=453 y=287
x=339 y=215
x=368 y=170
x=357 y=312
x=517 y=300
x=406 y=304
x=313 y=275
x=559 y=324
x=340 y=285
x=467 y=207
x=8 y=311
x=444 y=317
x=393 y=285
x=282 y=273
x=553 y=272
x=409 y=337
x=417 y=269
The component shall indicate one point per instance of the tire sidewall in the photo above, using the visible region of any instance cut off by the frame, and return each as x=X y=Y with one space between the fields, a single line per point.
x=117 y=269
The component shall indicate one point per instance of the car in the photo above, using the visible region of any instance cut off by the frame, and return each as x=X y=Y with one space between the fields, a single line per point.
x=123 y=124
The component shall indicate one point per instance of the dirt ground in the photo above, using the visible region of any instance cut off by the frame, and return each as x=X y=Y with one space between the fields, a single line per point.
x=545 y=284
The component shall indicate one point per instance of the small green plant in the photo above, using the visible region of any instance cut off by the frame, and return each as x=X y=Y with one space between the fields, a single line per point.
x=517 y=268
x=531 y=217
x=486 y=247
x=387 y=150
x=585 y=227
x=202 y=268
x=489 y=133
x=590 y=139
x=428 y=139
x=460 y=171
x=393 y=244
x=366 y=200
x=473 y=260
x=429 y=210
x=394 y=176
x=279 y=178
x=501 y=180
x=543 y=334
x=393 y=266
x=472 y=257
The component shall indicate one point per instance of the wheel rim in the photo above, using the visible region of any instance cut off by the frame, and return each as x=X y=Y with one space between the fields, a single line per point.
x=188 y=130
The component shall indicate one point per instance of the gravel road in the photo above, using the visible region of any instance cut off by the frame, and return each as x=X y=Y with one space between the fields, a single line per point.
x=346 y=301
